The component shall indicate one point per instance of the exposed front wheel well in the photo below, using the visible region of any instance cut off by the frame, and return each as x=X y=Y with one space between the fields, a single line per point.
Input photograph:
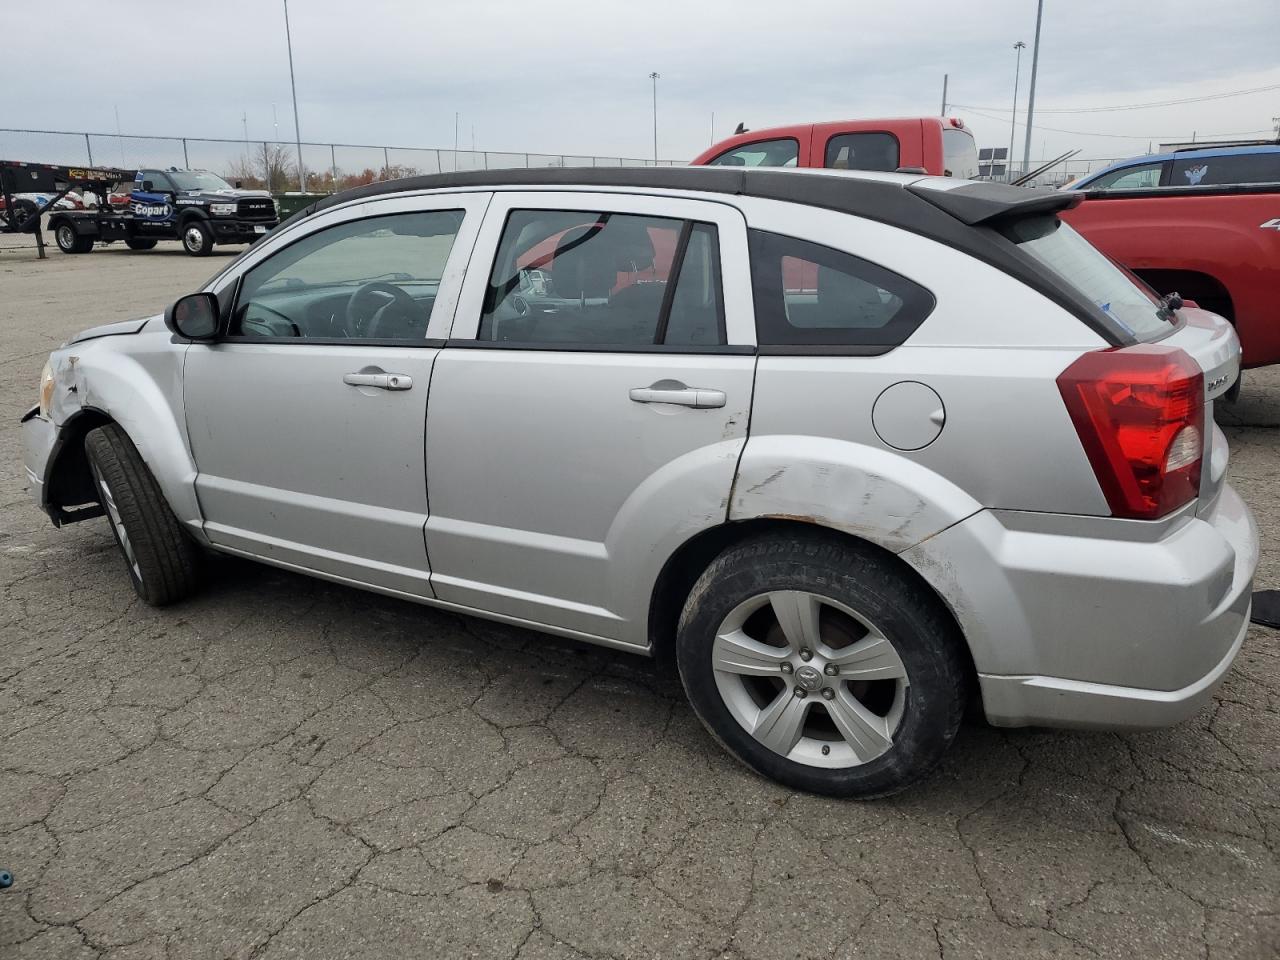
x=70 y=482
x=687 y=564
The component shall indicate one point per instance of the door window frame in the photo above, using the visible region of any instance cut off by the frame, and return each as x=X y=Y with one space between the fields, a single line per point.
x=227 y=286
x=731 y=242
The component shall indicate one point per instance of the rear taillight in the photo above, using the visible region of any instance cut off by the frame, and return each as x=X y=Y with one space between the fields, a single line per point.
x=1139 y=412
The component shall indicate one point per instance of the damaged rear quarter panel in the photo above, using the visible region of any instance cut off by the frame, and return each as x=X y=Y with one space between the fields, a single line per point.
x=874 y=494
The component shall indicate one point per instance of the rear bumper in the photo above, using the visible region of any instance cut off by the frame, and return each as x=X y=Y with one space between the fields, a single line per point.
x=1095 y=622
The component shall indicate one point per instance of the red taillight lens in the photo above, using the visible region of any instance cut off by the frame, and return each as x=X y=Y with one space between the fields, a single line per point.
x=1139 y=412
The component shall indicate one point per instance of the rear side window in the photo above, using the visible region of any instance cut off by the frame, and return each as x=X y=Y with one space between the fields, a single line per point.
x=959 y=153
x=1240 y=168
x=605 y=279
x=766 y=153
x=862 y=151
x=809 y=295
x=1057 y=246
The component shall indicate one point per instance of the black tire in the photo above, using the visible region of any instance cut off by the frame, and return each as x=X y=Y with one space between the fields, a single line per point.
x=71 y=242
x=23 y=210
x=139 y=243
x=162 y=561
x=927 y=706
x=197 y=238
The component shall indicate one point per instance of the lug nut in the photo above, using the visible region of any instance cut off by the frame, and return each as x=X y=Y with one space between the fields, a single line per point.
x=786 y=667
x=806 y=654
x=825 y=750
x=800 y=693
x=828 y=693
x=830 y=669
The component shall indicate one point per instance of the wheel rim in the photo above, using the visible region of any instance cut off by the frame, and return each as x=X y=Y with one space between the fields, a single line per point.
x=193 y=238
x=810 y=679
x=66 y=238
x=113 y=514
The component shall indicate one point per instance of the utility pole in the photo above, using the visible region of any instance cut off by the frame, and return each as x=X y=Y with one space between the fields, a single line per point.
x=297 y=132
x=1013 y=119
x=455 y=141
x=713 y=126
x=945 y=78
x=655 y=76
x=1031 y=94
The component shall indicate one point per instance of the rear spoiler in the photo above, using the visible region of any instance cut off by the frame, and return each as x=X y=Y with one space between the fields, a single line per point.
x=988 y=203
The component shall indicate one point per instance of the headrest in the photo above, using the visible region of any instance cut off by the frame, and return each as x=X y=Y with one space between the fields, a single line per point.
x=582 y=266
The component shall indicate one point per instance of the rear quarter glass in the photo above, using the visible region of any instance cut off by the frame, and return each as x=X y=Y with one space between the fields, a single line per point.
x=1055 y=245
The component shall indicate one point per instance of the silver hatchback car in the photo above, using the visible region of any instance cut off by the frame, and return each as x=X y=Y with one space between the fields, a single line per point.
x=851 y=449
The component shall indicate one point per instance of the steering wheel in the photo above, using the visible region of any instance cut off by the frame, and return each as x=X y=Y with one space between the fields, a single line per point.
x=379 y=322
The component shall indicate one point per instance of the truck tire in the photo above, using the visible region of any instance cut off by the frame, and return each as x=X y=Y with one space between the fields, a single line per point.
x=820 y=664
x=71 y=242
x=23 y=210
x=197 y=238
x=163 y=562
x=139 y=243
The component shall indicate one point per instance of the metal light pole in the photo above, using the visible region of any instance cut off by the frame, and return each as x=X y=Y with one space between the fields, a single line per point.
x=297 y=132
x=1013 y=118
x=1031 y=93
x=655 y=76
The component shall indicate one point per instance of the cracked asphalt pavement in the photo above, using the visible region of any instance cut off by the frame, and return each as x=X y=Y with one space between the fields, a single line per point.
x=286 y=768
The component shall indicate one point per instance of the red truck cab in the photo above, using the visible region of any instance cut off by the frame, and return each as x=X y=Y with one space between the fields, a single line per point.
x=942 y=146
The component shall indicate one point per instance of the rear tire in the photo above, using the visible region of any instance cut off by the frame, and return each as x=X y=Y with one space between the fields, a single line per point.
x=162 y=561
x=139 y=243
x=71 y=242
x=820 y=665
x=197 y=238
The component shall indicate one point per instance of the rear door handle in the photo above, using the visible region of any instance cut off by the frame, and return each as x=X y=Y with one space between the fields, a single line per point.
x=695 y=397
x=383 y=381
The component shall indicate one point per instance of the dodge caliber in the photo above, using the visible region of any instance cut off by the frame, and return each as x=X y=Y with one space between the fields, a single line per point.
x=851 y=450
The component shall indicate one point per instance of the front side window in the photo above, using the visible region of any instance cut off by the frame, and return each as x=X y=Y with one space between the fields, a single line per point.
x=863 y=151
x=371 y=279
x=766 y=153
x=1129 y=178
x=1238 y=168
x=810 y=295
x=595 y=278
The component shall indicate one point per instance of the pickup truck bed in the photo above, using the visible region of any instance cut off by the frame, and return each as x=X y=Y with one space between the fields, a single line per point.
x=1218 y=246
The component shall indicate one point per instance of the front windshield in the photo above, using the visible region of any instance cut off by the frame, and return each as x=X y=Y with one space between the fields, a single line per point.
x=197 y=180
x=1057 y=246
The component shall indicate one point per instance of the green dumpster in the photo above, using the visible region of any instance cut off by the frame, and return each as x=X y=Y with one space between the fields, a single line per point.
x=287 y=204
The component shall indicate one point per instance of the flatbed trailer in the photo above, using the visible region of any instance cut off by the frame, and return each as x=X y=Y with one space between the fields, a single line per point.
x=54 y=180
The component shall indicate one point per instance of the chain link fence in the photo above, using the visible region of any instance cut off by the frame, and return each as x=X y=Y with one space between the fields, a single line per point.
x=273 y=165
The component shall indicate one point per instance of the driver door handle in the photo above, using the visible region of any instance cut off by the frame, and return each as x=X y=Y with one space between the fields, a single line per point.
x=383 y=381
x=695 y=397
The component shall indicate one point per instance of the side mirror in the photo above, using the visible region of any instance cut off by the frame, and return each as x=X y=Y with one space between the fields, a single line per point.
x=147 y=186
x=194 y=316
x=239 y=185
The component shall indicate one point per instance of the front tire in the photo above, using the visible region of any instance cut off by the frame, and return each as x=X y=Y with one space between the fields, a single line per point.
x=163 y=562
x=71 y=242
x=197 y=238
x=819 y=664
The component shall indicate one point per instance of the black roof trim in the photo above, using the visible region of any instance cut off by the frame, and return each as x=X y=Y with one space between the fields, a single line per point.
x=976 y=203
x=966 y=221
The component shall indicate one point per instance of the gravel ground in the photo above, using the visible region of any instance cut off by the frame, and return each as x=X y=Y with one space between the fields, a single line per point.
x=287 y=768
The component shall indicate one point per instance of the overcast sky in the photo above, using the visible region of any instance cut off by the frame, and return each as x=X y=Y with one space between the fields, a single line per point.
x=572 y=77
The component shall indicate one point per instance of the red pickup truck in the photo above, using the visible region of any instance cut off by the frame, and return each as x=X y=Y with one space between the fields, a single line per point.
x=1216 y=245
x=936 y=145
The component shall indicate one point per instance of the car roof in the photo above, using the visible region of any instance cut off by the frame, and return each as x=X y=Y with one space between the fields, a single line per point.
x=1188 y=154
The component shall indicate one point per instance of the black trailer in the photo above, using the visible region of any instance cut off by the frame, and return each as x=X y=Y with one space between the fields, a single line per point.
x=22 y=214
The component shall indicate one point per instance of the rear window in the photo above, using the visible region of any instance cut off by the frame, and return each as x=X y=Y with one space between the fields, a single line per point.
x=959 y=153
x=1073 y=258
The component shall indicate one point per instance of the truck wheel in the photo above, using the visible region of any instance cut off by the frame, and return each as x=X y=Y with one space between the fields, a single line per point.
x=197 y=238
x=163 y=562
x=23 y=210
x=139 y=243
x=71 y=242
x=819 y=664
